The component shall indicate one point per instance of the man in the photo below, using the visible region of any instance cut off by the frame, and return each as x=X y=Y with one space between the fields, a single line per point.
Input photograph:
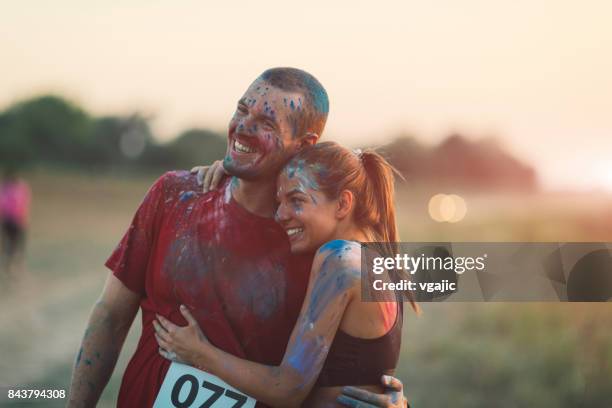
x=220 y=253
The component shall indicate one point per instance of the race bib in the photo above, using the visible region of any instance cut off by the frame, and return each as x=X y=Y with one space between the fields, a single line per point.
x=186 y=386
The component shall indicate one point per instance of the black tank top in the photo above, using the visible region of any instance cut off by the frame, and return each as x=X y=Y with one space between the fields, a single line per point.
x=356 y=361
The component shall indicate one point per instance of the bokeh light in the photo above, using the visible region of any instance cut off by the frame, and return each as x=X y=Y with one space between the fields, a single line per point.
x=447 y=208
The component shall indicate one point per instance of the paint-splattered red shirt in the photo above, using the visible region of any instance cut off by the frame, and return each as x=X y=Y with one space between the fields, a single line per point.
x=232 y=268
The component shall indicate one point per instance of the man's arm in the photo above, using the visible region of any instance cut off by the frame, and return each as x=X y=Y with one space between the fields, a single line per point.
x=393 y=396
x=109 y=323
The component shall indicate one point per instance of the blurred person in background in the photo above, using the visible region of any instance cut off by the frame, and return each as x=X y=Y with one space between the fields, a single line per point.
x=14 y=214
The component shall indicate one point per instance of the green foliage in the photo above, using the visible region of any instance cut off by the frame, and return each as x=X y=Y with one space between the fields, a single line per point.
x=51 y=130
x=44 y=129
x=197 y=146
x=110 y=134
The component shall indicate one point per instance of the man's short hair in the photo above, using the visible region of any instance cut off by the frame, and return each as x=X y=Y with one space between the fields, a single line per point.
x=311 y=114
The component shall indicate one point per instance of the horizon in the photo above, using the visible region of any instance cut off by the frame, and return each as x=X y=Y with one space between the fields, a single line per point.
x=533 y=75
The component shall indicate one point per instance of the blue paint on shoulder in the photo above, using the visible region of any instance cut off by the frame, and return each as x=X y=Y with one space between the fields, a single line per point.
x=340 y=255
x=177 y=174
x=337 y=245
x=186 y=195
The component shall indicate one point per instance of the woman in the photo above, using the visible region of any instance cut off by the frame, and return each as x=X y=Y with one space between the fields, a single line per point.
x=330 y=200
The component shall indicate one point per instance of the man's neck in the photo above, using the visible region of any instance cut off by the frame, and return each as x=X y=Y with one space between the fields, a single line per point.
x=257 y=197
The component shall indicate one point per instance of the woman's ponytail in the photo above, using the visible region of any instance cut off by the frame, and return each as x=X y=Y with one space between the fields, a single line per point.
x=379 y=175
x=380 y=180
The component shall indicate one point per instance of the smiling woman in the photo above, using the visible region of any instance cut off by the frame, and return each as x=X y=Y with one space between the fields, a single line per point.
x=330 y=200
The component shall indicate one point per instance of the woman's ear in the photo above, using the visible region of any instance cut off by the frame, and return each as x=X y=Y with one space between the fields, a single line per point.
x=345 y=204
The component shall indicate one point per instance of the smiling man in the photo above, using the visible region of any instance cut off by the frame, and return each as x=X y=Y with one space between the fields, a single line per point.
x=220 y=253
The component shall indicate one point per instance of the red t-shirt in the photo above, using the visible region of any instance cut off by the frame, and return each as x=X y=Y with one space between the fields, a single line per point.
x=232 y=269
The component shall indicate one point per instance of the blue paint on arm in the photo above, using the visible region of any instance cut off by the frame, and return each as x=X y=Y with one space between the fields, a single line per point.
x=337 y=273
x=305 y=355
x=328 y=297
x=78 y=360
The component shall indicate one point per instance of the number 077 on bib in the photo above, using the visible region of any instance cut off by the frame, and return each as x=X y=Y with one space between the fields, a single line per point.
x=187 y=387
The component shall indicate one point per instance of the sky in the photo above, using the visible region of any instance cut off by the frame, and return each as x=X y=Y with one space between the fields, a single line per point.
x=535 y=74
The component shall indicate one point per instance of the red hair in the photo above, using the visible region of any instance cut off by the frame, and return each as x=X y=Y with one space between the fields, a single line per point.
x=368 y=176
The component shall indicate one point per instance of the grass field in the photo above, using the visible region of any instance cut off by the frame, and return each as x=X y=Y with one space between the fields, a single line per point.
x=460 y=355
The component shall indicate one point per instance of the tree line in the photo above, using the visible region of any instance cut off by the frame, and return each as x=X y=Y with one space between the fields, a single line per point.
x=51 y=130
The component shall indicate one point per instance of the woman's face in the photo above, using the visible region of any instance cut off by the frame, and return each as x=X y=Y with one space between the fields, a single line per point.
x=307 y=215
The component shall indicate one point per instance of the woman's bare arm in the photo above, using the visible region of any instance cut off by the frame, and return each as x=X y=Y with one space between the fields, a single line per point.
x=333 y=283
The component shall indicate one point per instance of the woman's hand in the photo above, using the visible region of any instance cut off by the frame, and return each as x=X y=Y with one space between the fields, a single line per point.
x=186 y=344
x=210 y=177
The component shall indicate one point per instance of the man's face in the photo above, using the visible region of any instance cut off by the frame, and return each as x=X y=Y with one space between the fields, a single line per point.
x=261 y=133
